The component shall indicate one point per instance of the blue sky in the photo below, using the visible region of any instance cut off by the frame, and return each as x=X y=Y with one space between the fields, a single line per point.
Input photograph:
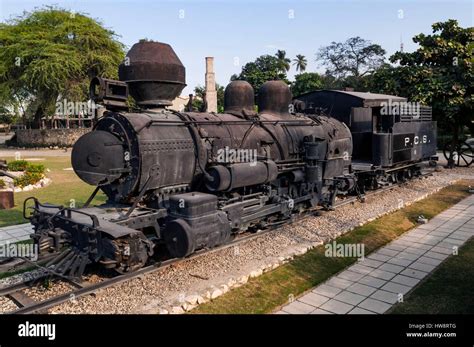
x=235 y=32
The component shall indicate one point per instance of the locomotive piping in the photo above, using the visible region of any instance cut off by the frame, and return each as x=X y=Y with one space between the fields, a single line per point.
x=197 y=144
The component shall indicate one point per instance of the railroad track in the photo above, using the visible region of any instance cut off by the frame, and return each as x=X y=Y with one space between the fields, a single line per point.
x=16 y=293
x=26 y=305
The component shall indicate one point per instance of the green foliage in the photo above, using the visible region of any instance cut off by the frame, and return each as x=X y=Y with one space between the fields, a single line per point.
x=439 y=73
x=306 y=82
x=199 y=91
x=354 y=57
x=264 y=68
x=27 y=178
x=300 y=62
x=331 y=82
x=32 y=172
x=349 y=64
x=132 y=104
x=17 y=165
x=2 y=184
x=52 y=52
x=283 y=61
x=5 y=117
x=35 y=168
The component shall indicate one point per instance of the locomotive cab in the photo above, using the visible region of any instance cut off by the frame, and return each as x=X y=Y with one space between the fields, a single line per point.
x=388 y=131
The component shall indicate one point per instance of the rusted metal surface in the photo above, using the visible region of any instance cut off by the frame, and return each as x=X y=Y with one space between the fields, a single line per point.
x=274 y=97
x=154 y=74
x=110 y=93
x=239 y=99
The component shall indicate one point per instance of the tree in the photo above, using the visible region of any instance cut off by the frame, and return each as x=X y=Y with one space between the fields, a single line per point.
x=354 y=57
x=300 y=62
x=200 y=91
x=283 y=61
x=51 y=53
x=439 y=73
x=306 y=82
x=264 y=68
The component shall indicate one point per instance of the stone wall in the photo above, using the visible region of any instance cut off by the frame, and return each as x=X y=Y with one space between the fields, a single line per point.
x=49 y=137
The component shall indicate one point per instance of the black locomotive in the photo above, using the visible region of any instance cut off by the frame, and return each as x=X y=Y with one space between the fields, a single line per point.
x=390 y=134
x=177 y=182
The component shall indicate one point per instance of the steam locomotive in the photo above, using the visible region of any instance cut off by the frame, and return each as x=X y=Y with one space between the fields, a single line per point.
x=177 y=182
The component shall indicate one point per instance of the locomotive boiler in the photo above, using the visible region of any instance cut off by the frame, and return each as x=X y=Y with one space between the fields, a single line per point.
x=177 y=182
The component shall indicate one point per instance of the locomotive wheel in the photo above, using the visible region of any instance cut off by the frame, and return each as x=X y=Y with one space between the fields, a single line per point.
x=179 y=239
x=462 y=154
x=136 y=258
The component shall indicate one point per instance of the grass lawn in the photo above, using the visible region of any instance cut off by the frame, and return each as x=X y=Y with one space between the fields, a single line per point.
x=449 y=290
x=65 y=186
x=271 y=290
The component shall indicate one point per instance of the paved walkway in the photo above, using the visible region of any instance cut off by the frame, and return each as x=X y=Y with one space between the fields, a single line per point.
x=375 y=284
x=26 y=153
x=15 y=233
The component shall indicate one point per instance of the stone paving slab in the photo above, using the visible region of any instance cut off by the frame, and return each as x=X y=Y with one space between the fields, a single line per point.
x=339 y=282
x=383 y=295
x=336 y=306
x=377 y=282
x=381 y=274
x=15 y=233
x=400 y=262
x=361 y=289
x=359 y=310
x=349 y=298
x=314 y=299
x=396 y=288
x=350 y=275
x=414 y=273
x=372 y=281
x=375 y=306
x=380 y=257
x=319 y=311
x=298 y=307
x=405 y=280
x=327 y=290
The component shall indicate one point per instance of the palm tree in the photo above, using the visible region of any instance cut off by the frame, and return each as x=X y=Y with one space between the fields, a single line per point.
x=283 y=60
x=300 y=62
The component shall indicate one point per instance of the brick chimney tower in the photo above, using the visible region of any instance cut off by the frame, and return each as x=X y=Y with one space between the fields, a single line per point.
x=211 y=93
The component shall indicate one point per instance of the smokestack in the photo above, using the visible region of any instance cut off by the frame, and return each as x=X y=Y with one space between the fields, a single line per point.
x=211 y=93
x=154 y=74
